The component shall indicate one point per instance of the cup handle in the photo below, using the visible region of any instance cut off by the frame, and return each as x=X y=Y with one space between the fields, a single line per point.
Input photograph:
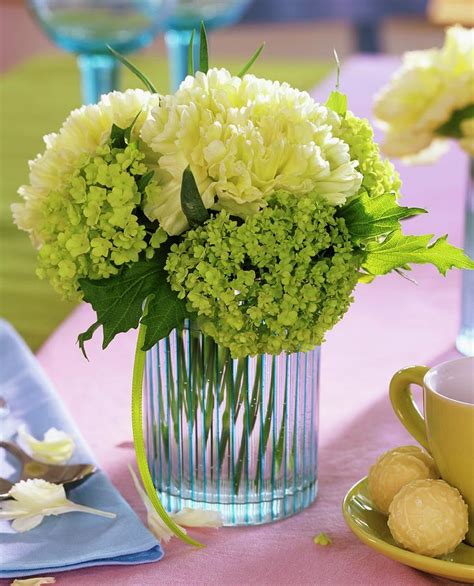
x=404 y=405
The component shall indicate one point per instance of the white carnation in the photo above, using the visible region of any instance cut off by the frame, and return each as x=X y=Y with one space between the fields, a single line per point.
x=244 y=139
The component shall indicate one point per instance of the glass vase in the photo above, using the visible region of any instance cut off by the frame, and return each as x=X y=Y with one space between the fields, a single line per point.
x=465 y=339
x=234 y=435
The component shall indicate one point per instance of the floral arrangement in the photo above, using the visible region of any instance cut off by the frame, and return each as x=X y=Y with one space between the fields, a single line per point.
x=237 y=202
x=429 y=100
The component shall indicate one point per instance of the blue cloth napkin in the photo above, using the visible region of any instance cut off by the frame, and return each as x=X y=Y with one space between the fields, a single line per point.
x=72 y=540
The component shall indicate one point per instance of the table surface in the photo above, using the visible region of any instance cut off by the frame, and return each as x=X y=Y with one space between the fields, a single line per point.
x=391 y=324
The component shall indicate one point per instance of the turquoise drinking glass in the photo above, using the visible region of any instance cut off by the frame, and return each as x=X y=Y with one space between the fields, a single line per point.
x=186 y=16
x=86 y=27
x=465 y=339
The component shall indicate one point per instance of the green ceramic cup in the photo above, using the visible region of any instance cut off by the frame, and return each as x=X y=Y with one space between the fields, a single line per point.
x=447 y=428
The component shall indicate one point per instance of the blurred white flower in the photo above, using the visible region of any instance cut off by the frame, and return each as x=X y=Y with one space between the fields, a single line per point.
x=35 y=499
x=33 y=581
x=56 y=447
x=422 y=97
x=187 y=517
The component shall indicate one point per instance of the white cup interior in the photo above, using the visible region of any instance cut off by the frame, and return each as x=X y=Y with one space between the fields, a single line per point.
x=453 y=380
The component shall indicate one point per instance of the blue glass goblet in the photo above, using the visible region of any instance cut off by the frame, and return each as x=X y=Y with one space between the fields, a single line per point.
x=86 y=27
x=187 y=15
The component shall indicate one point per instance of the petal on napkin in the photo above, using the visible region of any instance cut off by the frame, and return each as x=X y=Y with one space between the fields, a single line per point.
x=26 y=523
x=56 y=447
x=35 y=499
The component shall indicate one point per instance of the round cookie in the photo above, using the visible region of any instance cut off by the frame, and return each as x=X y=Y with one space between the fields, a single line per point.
x=428 y=517
x=395 y=469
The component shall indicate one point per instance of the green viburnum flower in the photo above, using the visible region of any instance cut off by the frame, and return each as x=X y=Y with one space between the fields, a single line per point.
x=274 y=282
x=79 y=204
x=89 y=228
x=378 y=175
x=322 y=539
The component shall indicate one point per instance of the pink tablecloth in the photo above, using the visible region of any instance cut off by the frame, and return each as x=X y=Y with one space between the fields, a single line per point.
x=392 y=323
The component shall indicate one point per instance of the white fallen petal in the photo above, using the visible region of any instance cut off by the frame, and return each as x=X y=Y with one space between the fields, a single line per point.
x=33 y=581
x=75 y=508
x=187 y=517
x=158 y=528
x=36 y=494
x=22 y=524
x=155 y=522
x=35 y=499
x=56 y=447
x=198 y=518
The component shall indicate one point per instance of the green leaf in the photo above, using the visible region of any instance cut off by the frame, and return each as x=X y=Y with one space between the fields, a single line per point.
x=368 y=217
x=118 y=300
x=165 y=312
x=366 y=278
x=141 y=76
x=337 y=102
x=128 y=130
x=452 y=128
x=203 y=53
x=120 y=137
x=191 y=55
x=251 y=61
x=117 y=137
x=191 y=202
x=86 y=336
x=397 y=250
x=144 y=181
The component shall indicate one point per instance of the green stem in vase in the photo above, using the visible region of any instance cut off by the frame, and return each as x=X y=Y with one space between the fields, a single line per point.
x=250 y=417
x=281 y=445
x=225 y=395
x=172 y=406
x=163 y=424
x=210 y=379
x=184 y=386
x=211 y=382
x=267 y=426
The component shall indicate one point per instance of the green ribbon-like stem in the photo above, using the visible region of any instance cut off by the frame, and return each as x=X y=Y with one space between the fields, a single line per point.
x=139 y=442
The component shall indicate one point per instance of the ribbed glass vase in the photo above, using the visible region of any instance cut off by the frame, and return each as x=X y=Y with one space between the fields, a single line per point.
x=465 y=339
x=234 y=435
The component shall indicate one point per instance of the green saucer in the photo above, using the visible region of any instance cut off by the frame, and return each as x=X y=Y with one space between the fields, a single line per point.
x=370 y=526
